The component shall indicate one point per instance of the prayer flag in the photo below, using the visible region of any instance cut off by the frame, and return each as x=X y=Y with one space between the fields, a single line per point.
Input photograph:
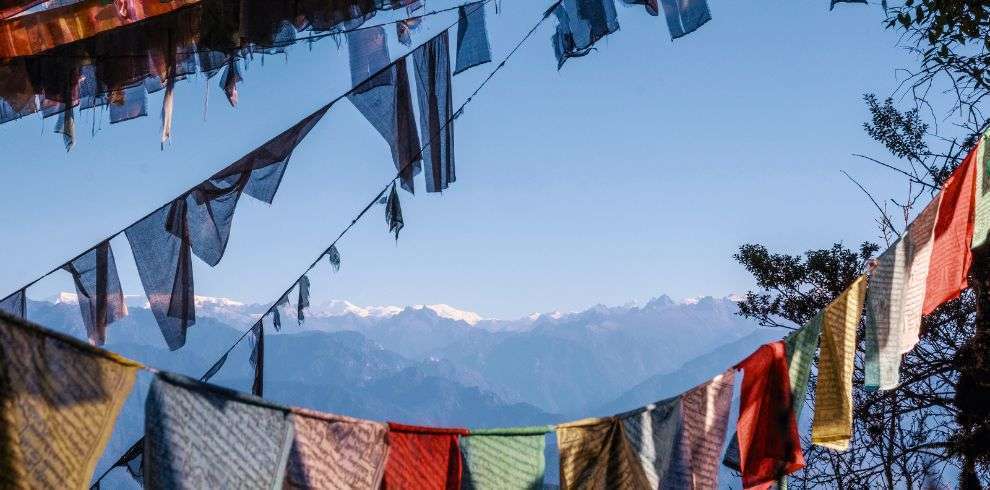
x=832 y=423
x=953 y=236
x=335 y=452
x=203 y=436
x=423 y=457
x=504 y=458
x=59 y=400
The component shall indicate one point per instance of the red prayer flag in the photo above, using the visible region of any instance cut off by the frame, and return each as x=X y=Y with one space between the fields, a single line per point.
x=427 y=458
x=953 y=235
x=769 y=446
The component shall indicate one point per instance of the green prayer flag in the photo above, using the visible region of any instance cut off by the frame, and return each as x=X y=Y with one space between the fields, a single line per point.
x=504 y=458
x=801 y=346
x=981 y=228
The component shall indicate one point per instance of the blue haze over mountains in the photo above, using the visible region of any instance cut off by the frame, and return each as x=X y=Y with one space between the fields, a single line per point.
x=437 y=365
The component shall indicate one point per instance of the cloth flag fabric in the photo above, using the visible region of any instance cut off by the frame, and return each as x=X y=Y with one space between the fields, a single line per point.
x=801 y=346
x=504 y=458
x=651 y=6
x=685 y=16
x=473 y=48
x=580 y=24
x=704 y=421
x=101 y=300
x=59 y=399
x=257 y=358
x=199 y=223
x=15 y=304
x=368 y=53
x=653 y=432
x=385 y=100
x=834 y=2
x=769 y=445
x=832 y=423
x=423 y=457
x=885 y=327
x=981 y=225
x=335 y=452
x=595 y=453
x=203 y=436
x=953 y=236
x=436 y=116
x=674 y=443
x=34 y=33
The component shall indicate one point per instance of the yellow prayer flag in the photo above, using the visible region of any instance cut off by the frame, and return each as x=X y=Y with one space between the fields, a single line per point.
x=59 y=399
x=832 y=424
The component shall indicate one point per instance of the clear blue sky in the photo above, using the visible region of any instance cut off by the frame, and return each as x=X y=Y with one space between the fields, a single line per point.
x=635 y=171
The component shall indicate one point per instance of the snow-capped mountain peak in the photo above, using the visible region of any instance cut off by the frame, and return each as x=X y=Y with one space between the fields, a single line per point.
x=447 y=311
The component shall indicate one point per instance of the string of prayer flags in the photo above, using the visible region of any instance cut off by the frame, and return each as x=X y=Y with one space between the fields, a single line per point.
x=953 y=236
x=433 y=86
x=38 y=32
x=473 y=48
x=981 y=218
x=333 y=256
x=832 y=423
x=767 y=430
x=504 y=458
x=651 y=6
x=204 y=436
x=59 y=399
x=333 y=451
x=257 y=358
x=580 y=24
x=199 y=222
x=423 y=457
x=393 y=213
x=385 y=100
x=303 y=301
x=685 y=16
x=101 y=300
x=15 y=305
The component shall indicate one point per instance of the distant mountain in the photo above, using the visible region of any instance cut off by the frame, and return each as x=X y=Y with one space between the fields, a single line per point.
x=564 y=363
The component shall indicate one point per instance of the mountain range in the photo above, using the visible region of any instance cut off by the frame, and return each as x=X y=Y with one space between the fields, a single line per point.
x=436 y=364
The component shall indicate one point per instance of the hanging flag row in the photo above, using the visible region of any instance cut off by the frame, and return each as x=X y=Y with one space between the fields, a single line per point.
x=199 y=221
x=95 y=53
